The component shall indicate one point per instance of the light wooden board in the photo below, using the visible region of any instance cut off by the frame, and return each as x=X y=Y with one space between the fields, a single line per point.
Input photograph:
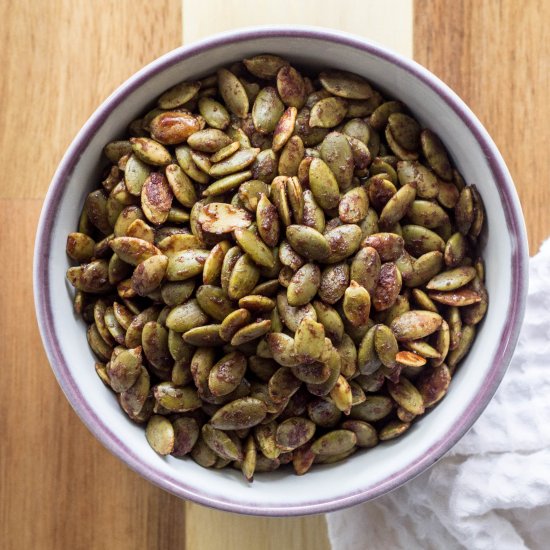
x=370 y=19
x=59 y=488
x=496 y=55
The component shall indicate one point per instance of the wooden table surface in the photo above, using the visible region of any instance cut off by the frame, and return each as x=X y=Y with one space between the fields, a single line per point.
x=59 y=488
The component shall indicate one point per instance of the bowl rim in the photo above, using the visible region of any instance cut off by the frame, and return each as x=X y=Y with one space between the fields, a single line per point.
x=508 y=337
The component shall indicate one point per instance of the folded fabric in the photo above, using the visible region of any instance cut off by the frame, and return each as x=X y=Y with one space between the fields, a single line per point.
x=492 y=490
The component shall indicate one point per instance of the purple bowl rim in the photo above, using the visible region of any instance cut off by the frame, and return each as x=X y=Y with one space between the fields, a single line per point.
x=509 y=336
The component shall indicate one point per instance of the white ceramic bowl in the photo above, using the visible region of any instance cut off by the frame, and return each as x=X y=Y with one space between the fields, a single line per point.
x=367 y=474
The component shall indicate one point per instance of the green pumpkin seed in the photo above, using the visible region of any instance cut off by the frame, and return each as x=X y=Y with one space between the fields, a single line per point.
x=331 y=320
x=213 y=264
x=206 y=335
x=334 y=363
x=324 y=185
x=176 y=399
x=282 y=348
x=210 y=140
x=407 y=396
x=309 y=340
x=92 y=278
x=356 y=304
x=214 y=113
x=424 y=268
x=294 y=432
x=405 y=130
x=422 y=348
x=420 y=240
x=227 y=374
x=413 y=172
x=366 y=435
x=187 y=164
x=379 y=118
x=178 y=95
x=284 y=128
x=239 y=414
x=333 y=283
x=186 y=434
x=292 y=316
x=117 y=149
x=328 y=112
x=304 y=285
x=221 y=443
x=435 y=154
x=393 y=429
x=96 y=211
x=365 y=268
x=225 y=152
x=254 y=247
x=344 y=84
x=323 y=412
x=154 y=340
x=397 y=206
x=452 y=279
x=237 y=162
x=148 y=275
x=227 y=183
x=160 y=435
x=135 y=174
x=251 y=332
x=464 y=210
x=243 y=278
x=291 y=156
x=150 y=151
x=334 y=442
x=186 y=264
x=133 y=400
x=308 y=241
x=267 y=221
x=291 y=87
x=186 y=316
x=267 y=110
x=341 y=395
x=233 y=93
x=214 y=302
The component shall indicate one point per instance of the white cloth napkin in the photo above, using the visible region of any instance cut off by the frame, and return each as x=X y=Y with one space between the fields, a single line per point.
x=492 y=490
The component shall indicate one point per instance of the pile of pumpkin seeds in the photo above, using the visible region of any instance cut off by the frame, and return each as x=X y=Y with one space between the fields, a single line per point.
x=279 y=267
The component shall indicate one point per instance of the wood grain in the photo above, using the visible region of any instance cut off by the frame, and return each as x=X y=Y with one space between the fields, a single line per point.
x=59 y=488
x=60 y=60
x=386 y=21
x=495 y=54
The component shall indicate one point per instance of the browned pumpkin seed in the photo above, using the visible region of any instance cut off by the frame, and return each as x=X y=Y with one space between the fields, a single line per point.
x=354 y=205
x=416 y=324
x=173 y=127
x=461 y=297
x=291 y=87
x=388 y=287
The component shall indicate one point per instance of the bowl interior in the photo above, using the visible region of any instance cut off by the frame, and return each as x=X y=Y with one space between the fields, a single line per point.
x=367 y=474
